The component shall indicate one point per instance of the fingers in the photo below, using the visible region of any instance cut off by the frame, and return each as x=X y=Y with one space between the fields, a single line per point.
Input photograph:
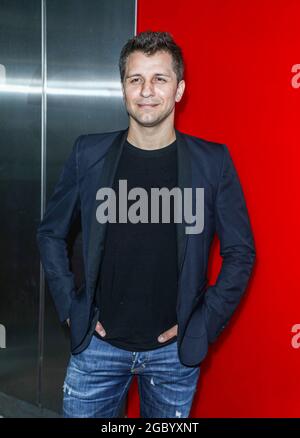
x=162 y=338
x=100 y=329
x=168 y=334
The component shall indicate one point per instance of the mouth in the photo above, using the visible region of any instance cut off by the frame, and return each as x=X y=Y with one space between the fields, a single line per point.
x=147 y=105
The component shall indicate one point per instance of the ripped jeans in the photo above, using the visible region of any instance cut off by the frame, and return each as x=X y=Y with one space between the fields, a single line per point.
x=97 y=381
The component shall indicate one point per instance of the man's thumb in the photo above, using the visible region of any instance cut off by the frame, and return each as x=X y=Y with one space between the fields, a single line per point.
x=100 y=329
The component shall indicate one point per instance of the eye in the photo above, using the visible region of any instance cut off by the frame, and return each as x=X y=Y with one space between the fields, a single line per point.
x=161 y=79
x=134 y=80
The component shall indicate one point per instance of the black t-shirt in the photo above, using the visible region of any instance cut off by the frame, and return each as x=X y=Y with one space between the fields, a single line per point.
x=137 y=289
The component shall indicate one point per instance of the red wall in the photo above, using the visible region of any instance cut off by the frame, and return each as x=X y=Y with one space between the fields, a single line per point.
x=239 y=91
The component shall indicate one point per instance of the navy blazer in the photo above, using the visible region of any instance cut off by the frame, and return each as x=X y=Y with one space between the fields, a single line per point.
x=202 y=311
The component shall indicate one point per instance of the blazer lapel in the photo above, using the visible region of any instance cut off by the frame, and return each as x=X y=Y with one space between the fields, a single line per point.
x=184 y=180
x=98 y=231
x=106 y=179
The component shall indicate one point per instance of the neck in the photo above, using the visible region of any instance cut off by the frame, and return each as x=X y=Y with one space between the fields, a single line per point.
x=151 y=137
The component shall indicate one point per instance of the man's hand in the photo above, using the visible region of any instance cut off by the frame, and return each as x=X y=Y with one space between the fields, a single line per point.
x=100 y=329
x=168 y=334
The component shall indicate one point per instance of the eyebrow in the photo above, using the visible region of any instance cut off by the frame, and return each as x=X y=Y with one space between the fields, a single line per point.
x=156 y=74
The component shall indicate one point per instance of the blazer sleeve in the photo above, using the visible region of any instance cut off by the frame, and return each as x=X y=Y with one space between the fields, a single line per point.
x=237 y=250
x=61 y=210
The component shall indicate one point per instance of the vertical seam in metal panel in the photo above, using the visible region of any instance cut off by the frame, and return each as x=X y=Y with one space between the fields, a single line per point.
x=43 y=195
x=135 y=16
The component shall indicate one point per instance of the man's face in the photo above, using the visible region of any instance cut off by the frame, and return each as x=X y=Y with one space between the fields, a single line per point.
x=150 y=87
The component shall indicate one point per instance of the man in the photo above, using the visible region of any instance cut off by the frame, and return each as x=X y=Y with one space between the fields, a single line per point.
x=145 y=307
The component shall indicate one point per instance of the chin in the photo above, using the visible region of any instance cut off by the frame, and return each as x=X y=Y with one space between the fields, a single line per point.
x=151 y=122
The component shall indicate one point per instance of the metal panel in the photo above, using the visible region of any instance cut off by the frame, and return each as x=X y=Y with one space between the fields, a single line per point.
x=20 y=138
x=59 y=78
x=84 y=40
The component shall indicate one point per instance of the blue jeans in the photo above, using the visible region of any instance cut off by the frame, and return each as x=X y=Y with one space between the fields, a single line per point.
x=97 y=381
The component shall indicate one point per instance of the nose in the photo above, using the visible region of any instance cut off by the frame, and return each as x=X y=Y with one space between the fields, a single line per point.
x=147 y=89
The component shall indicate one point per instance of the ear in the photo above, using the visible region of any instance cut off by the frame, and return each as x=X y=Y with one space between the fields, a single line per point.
x=180 y=90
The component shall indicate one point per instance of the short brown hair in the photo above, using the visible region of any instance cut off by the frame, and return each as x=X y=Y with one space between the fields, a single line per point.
x=150 y=42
